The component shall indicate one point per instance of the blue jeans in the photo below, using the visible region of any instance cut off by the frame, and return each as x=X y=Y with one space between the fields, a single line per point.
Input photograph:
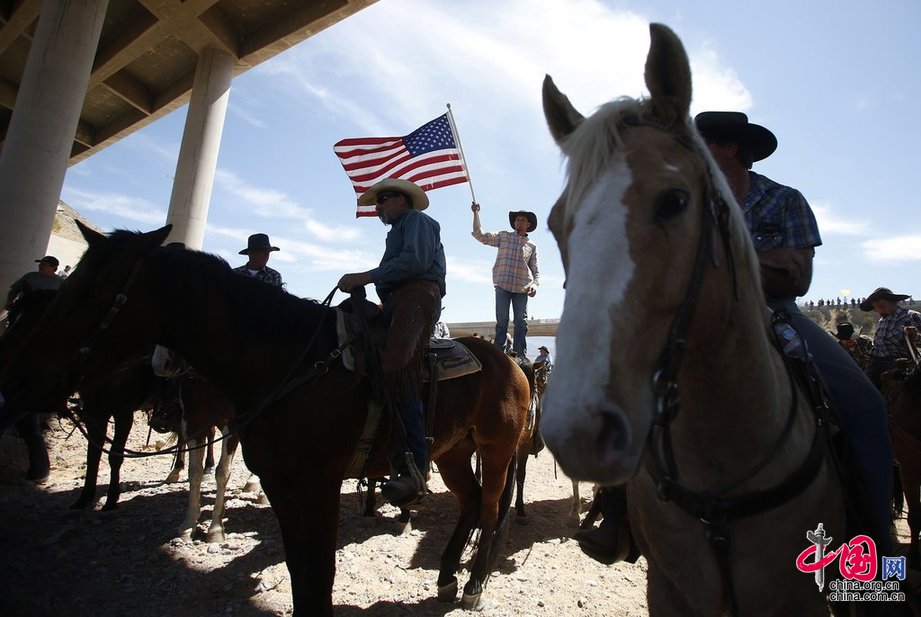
x=519 y=302
x=862 y=410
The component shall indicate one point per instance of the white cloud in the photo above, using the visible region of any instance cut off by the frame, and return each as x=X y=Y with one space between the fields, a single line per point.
x=275 y=204
x=125 y=206
x=472 y=271
x=894 y=249
x=830 y=223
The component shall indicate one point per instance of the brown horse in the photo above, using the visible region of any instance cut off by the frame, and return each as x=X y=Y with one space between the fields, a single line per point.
x=300 y=411
x=686 y=397
x=903 y=392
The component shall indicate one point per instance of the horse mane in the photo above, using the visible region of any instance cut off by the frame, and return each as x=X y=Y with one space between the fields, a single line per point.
x=911 y=387
x=261 y=309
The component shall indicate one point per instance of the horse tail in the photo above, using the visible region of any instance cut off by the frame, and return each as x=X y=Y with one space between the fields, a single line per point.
x=528 y=369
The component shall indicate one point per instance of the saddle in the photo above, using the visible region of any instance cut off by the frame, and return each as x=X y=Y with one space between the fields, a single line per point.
x=446 y=358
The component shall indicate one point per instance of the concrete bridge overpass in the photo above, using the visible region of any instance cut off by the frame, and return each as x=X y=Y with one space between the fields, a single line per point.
x=536 y=327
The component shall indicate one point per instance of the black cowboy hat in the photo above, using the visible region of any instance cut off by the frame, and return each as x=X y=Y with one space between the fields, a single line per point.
x=543 y=348
x=51 y=260
x=258 y=242
x=532 y=219
x=845 y=331
x=734 y=126
x=881 y=293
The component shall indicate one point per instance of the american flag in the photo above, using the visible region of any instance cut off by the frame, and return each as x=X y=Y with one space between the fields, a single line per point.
x=429 y=156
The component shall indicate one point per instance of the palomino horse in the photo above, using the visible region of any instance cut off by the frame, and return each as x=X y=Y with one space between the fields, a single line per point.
x=300 y=411
x=687 y=399
x=903 y=393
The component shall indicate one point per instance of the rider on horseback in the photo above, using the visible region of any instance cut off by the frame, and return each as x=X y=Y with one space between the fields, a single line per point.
x=410 y=282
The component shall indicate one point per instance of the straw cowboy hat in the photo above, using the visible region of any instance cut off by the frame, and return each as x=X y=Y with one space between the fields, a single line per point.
x=881 y=293
x=258 y=242
x=532 y=219
x=734 y=126
x=845 y=331
x=410 y=190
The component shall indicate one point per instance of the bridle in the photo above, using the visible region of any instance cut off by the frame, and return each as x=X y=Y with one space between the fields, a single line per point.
x=74 y=372
x=716 y=508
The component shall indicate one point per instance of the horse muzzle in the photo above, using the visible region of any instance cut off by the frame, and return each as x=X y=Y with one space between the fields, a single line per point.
x=593 y=444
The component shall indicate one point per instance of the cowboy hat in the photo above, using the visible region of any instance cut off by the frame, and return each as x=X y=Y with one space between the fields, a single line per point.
x=543 y=348
x=410 y=190
x=258 y=242
x=532 y=219
x=734 y=126
x=845 y=331
x=881 y=293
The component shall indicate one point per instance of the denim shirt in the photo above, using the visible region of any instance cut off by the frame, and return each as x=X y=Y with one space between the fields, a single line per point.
x=413 y=252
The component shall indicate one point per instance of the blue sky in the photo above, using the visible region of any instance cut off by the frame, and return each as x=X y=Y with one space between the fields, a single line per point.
x=836 y=81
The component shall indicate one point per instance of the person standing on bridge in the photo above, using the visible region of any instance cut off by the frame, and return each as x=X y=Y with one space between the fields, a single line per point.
x=515 y=274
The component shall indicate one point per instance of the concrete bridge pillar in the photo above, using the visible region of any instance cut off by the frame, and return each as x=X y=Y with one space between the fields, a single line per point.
x=201 y=141
x=41 y=131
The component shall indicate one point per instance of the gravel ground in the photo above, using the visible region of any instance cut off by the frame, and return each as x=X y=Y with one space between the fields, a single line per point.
x=62 y=562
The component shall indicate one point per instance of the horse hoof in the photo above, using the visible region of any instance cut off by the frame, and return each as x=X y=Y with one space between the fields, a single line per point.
x=473 y=602
x=214 y=537
x=262 y=500
x=209 y=471
x=110 y=507
x=173 y=477
x=252 y=486
x=448 y=593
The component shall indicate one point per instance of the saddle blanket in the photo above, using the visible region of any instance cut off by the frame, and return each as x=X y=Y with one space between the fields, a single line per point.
x=452 y=358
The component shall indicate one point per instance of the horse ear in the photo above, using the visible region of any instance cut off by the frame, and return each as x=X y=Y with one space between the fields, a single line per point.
x=562 y=117
x=90 y=235
x=668 y=75
x=158 y=236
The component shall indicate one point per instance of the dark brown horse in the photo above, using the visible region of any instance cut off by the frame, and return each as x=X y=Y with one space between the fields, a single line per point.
x=903 y=392
x=301 y=412
x=530 y=442
x=103 y=396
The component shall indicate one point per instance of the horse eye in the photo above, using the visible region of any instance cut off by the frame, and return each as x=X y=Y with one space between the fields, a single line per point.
x=671 y=203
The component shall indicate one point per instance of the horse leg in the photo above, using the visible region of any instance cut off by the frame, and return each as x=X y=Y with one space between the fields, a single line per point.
x=253 y=486
x=178 y=462
x=196 y=471
x=575 y=512
x=216 y=530
x=460 y=480
x=96 y=435
x=369 y=507
x=123 y=423
x=209 y=457
x=29 y=428
x=519 y=482
x=309 y=521
x=496 y=497
x=912 y=488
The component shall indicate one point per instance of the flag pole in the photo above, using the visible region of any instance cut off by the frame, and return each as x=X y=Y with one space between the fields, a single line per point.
x=460 y=149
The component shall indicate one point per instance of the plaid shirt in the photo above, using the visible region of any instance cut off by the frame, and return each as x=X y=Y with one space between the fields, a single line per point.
x=889 y=341
x=778 y=216
x=267 y=275
x=516 y=261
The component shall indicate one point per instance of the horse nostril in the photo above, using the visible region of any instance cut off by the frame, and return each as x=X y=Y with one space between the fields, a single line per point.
x=614 y=437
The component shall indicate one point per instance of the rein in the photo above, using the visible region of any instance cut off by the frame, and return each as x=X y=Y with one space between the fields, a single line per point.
x=714 y=509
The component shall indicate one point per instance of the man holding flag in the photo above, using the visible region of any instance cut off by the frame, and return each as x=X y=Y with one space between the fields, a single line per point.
x=410 y=282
